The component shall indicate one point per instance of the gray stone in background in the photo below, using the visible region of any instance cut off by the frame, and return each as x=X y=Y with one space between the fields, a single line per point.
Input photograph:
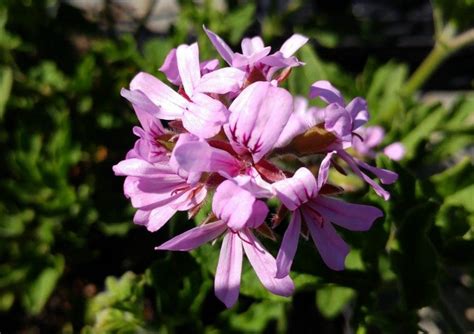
x=129 y=14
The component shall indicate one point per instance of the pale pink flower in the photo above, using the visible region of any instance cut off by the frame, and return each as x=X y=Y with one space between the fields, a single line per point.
x=238 y=213
x=171 y=70
x=151 y=130
x=200 y=113
x=252 y=131
x=255 y=55
x=300 y=194
x=158 y=189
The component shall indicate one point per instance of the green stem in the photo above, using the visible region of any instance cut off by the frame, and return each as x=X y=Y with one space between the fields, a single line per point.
x=426 y=68
x=445 y=46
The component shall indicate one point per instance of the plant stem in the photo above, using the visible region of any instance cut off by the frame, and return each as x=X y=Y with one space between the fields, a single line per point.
x=437 y=55
x=444 y=47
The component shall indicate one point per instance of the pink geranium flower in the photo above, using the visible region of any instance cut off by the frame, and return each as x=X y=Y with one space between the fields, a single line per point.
x=300 y=194
x=252 y=131
x=238 y=213
x=256 y=56
x=200 y=113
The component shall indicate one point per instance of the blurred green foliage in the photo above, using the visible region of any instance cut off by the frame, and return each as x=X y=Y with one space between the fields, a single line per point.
x=65 y=226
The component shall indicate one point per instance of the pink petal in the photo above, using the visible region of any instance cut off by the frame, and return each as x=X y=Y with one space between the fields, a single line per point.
x=145 y=110
x=265 y=266
x=244 y=61
x=224 y=50
x=195 y=237
x=338 y=121
x=354 y=217
x=229 y=269
x=158 y=217
x=323 y=172
x=292 y=44
x=330 y=245
x=187 y=57
x=395 y=151
x=171 y=104
x=373 y=136
x=384 y=175
x=205 y=116
x=259 y=213
x=353 y=165
x=191 y=177
x=288 y=246
x=253 y=124
x=326 y=92
x=358 y=111
x=209 y=66
x=221 y=81
x=233 y=204
x=295 y=191
x=194 y=196
x=145 y=194
x=201 y=157
x=170 y=68
x=302 y=119
x=252 y=45
x=254 y=183
x=141 y=168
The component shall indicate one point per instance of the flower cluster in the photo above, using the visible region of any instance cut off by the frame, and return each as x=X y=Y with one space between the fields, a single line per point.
x=225 y=129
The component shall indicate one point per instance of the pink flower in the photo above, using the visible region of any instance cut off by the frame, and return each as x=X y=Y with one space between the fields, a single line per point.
x=252 y=131
x=300 y=194
x=238 y=212
x=152 y=130
x=200 y=113
x=256 y=56
x=171 y=70
x=340 y=119
x=158 y=189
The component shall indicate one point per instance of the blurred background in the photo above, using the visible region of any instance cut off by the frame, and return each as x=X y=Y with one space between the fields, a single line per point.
x=71 y=259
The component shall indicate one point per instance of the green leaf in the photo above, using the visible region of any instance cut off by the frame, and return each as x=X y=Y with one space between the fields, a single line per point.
x=6 y=81
x=332 y=299
x=463 y=197
x=240 y=20
x=6 y=300
x=125 y=293
x=258 y=316
x=415 y=259
x=424 y=130
x=383 y=95
x=455 y=178
x=37 y=293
